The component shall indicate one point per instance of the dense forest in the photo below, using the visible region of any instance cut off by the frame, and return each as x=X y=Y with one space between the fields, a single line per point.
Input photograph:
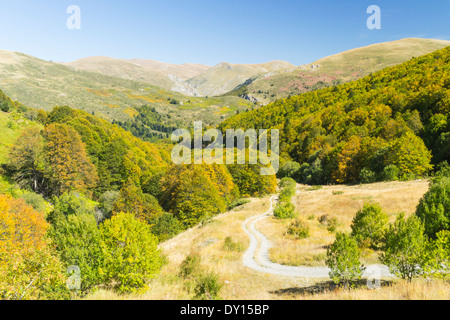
x=390 y=125
x=87 y=184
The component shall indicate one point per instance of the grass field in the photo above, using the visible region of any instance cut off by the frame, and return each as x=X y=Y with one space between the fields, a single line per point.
x=245 y=284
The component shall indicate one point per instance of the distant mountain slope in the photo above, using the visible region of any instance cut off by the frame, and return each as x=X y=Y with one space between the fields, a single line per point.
x=342 y=67
x=226 y=76
x=43 y=85
x=156 y=73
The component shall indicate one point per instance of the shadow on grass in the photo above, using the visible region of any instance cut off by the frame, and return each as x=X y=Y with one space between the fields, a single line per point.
x=327 y=286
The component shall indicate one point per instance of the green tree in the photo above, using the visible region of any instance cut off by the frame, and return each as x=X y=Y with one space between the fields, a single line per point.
x=78 y=242
x=343 y=258
x=26 y=160
x=434 y=208
x=404 y=247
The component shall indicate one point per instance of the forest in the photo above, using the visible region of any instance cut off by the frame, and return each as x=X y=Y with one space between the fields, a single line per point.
x=390 y=125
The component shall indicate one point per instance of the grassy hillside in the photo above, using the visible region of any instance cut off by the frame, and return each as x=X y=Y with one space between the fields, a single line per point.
x=163 y=75
x=342 y=67
x=43 y=85
x=395 y=117
x=226 y=76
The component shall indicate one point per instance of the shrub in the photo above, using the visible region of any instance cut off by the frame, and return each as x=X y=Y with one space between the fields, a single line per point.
x=369 y=225
x=299 y=229
x=166 y=226
x=404 y=247
x=367 y=176
x=190 y=266
x=337 y=193
x=343 y=258
x=390 y=173
x=131 y=255
x=284 y=211
x=333 y=224
x=208 y=287
x=437 y=262
x=78 y=242
x=434 y=208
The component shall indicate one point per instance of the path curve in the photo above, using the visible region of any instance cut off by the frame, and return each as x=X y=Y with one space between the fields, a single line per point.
x=257 y=255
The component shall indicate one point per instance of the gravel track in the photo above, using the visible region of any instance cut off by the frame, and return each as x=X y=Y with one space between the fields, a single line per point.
x=257 y=256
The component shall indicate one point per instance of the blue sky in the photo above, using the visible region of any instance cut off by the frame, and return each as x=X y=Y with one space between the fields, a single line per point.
x=211 y=31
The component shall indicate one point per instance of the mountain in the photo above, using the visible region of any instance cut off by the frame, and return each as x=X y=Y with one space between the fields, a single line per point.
x=342 y=67
x=393 y=123
x=226 y=76
x=43 y=85
x=164 y=75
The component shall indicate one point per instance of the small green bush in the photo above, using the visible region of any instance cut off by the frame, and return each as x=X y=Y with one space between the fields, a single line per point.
x=391 y=173
x=367 y=176
x=190 y=266
x=299 y=229
x=230 y=245
x=343 y=258
x=285 y=211
x=208 y=287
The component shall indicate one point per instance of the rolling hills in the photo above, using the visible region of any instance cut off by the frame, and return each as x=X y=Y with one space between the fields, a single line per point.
x=43 y=85
x=342 y=67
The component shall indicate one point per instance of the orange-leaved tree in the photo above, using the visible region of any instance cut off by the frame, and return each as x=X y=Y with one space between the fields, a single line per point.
x=28 y=267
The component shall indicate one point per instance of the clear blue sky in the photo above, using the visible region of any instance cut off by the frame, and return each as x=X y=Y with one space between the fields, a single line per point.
x=211 y=31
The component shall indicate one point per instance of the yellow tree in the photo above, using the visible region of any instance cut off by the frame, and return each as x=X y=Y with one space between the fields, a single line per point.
x=28 y=267
x=69 y=167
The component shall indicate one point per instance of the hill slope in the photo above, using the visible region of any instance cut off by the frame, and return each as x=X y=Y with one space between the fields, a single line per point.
x=43 y=85
x=346 y=66
x=363 y=129
x=164 y=75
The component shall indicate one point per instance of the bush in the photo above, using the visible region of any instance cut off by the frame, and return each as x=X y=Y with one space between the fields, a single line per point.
x=191 y=266
x=369 y=225
x=434 y=208
x=333 y=224
x=437 y=262
x=299 y=229
x=131 y=255
x=230 y=245
x=404 y=247
x=343 y=258
x=367 y=176
x=29 y=267
x=284 y=211
x=208 y=287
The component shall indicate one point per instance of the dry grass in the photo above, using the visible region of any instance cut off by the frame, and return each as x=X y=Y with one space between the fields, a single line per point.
x=244 y=284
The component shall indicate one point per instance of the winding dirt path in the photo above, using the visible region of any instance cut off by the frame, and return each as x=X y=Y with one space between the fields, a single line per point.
x=257 y=255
